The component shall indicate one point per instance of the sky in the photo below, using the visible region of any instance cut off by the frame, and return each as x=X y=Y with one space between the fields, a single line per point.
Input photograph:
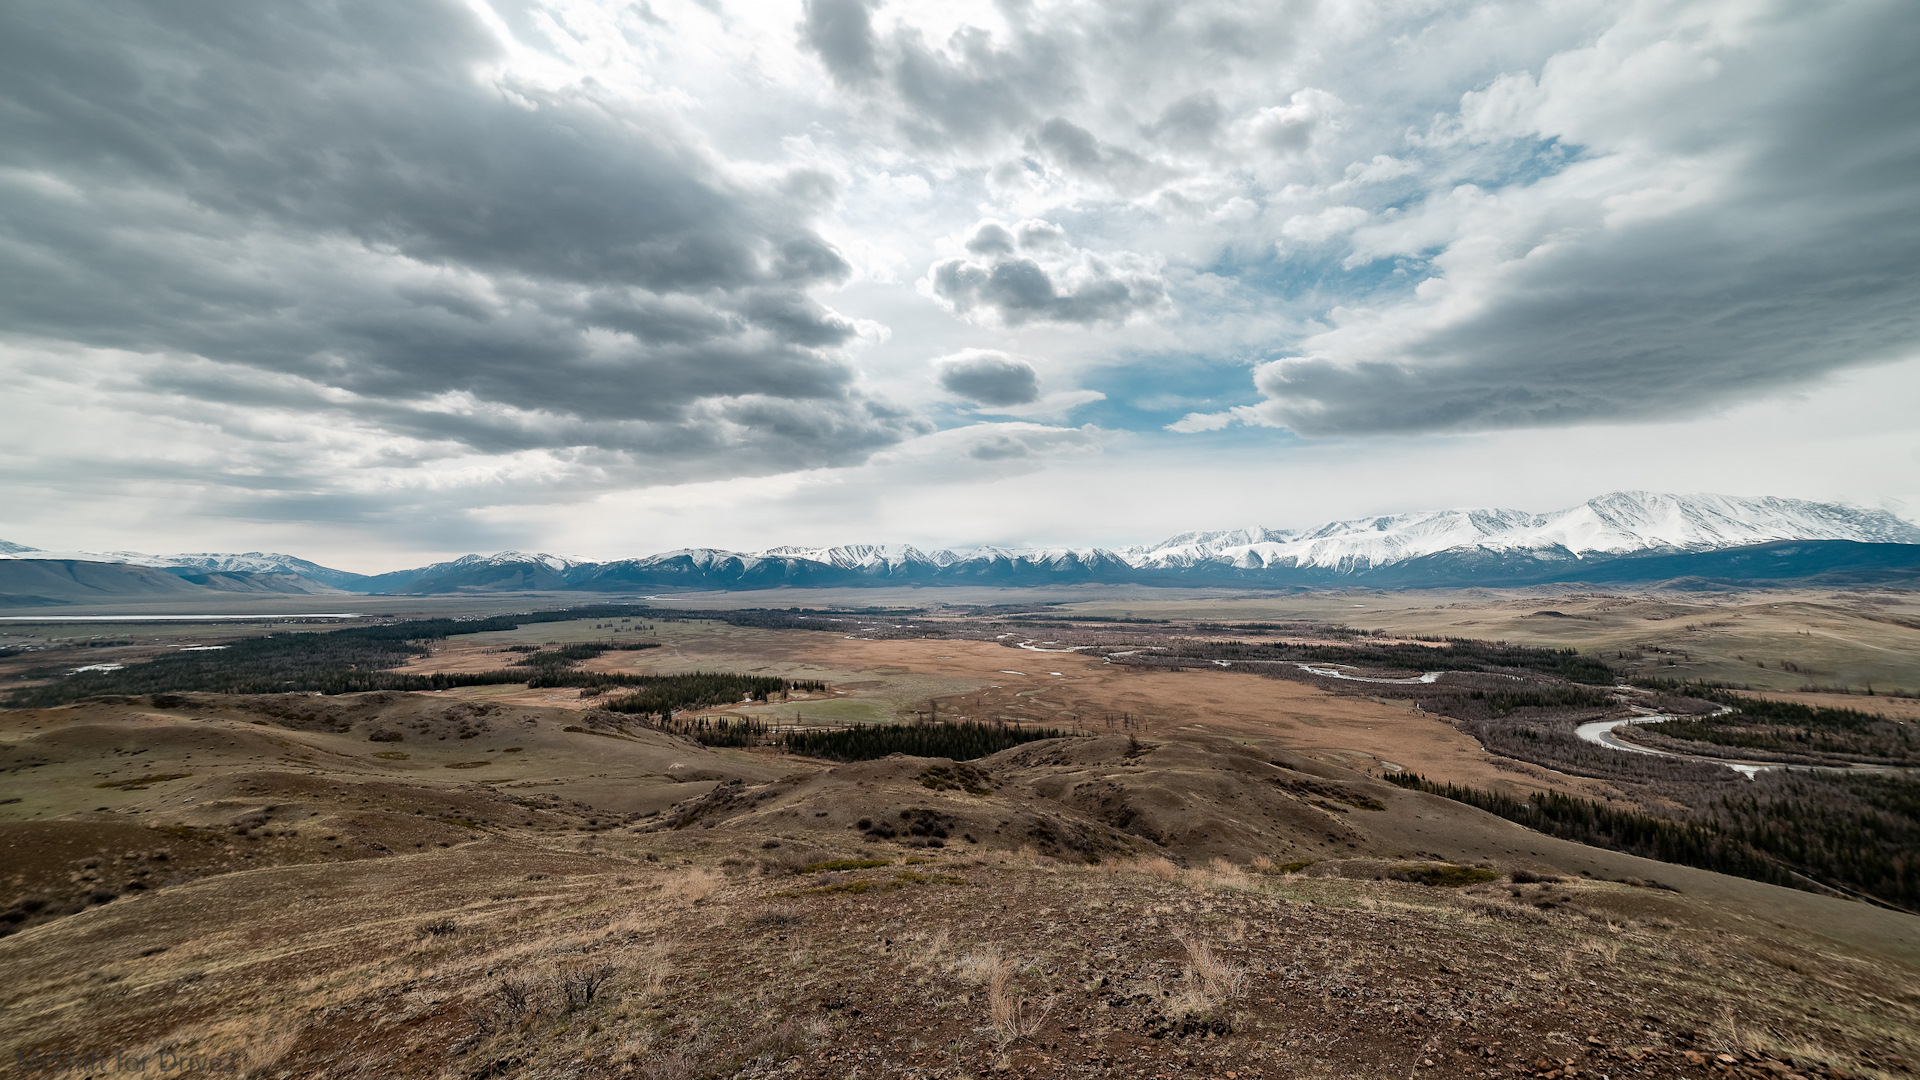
x=377 y=284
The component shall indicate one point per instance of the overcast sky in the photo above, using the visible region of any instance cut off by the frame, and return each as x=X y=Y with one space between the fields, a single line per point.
x=377 y=283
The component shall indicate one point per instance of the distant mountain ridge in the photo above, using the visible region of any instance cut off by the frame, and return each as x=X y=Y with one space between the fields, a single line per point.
x=1616 y=524
x=1617 y=537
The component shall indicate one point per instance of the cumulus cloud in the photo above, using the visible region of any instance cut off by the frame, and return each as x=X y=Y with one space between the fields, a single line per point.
x=1030 y=272
x=360 y=198
x=1290 y=128
x=1197 y=422
x=964 y=92
x=989 y=378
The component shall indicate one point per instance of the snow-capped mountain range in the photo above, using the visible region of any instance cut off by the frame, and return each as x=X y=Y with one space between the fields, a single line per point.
x=1623 y=522
x=1437 y=547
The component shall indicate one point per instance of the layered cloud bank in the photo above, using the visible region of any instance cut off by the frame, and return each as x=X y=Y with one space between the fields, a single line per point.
x=441 y=270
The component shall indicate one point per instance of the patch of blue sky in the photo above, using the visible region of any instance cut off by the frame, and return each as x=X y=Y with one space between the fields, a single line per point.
x=1146 y=393
x=1517 y=162
x=1311 y=280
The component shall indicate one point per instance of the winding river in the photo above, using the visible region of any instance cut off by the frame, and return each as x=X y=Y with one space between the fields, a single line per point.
x=1600 y=733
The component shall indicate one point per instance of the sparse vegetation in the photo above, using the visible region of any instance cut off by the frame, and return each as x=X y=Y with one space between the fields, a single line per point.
x=843 y=864
x=1134 y=902
x=956 y=777
x=1443 y=875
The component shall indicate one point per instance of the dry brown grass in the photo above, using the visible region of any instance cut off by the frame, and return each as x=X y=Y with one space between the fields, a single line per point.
x=694 y=885
x=1011 y=1013
x=1210 y=985
x=1733 y=1035
x=1157 y=867
x=1607 y=952
x=930 y=948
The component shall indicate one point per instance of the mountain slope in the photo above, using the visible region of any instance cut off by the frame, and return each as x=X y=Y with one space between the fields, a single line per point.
x=56 y=582
x=193 y=563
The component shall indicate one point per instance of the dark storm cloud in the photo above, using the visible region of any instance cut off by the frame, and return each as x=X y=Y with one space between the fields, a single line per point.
x=989 y=378
x=976 y=87
x=1804 y=257
x=841 y=33
x=337 y=192
x=961 y=92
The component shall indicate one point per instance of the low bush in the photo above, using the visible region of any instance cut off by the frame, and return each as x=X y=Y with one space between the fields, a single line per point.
x=1442 y=875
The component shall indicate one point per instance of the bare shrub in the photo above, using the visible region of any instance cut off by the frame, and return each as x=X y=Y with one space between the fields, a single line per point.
x=441 y=927
x=514 y=997
x=580 y=984
x=787 y=862
x=777 y=917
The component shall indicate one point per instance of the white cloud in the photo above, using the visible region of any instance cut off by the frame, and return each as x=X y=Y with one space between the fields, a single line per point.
x=1323 y=226
x=1197 y=422
x=1030 y=272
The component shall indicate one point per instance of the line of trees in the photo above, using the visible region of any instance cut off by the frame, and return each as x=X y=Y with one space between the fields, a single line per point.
x=961 y=741
x=662 y=695
x=1450 y=654
x=1857 y=835
x=571 y=654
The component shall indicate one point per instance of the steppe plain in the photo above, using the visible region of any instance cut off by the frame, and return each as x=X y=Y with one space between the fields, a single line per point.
x=1206 y=885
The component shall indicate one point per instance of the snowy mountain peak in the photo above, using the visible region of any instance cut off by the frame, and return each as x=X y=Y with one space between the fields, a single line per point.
x=556 y=563
x=1616 y=523
x=851 y=556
